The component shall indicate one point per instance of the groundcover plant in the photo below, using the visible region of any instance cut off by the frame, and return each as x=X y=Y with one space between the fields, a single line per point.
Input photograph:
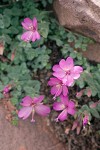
x=29 y=34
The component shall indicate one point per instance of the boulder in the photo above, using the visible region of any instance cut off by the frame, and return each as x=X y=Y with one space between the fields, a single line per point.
x=28 y=136
x=82 y=16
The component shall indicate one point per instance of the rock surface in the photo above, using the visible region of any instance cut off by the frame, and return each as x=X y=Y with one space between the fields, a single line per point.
x=93 y=52
x=82 y=16
x=27 y=136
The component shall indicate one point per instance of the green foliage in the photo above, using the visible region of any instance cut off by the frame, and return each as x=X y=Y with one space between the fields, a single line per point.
x=93 y=112
x=46 y=2
x=29 y=57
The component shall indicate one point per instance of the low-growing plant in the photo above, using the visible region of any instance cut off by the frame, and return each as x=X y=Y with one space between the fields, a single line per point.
x=26 y=49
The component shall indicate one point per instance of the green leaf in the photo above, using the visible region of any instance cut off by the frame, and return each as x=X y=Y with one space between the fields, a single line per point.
x=15 y=121
x=13 y=30
x=85 y=107
x=7 y=12
x=44 y=29
x=1 y=87
x=6 y=20
x=98 y=107
x=7 y=39
x=1 y=21
x=95 y=113
x=14 y=101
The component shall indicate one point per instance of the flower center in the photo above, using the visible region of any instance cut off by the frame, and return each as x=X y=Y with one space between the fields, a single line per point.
x=32 y=28
x=63 y=106
x=58 y=86
x=68 y=72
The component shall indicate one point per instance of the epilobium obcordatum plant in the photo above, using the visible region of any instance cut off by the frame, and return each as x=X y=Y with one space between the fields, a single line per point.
x=27 y=49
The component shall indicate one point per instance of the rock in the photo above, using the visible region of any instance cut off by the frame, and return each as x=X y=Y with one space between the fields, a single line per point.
x=27 y=136
x=93 y=52
x=81 y=16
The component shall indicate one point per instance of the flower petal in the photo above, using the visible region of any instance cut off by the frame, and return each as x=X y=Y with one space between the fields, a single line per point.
x=63 y=115
x=53 y=81
x=25 y=112
x=55 y=90
x=38 y=99
x=77 y=70
x=63 y=65
x=59 y=74
x=35 y=22
x=69 y=63
x=65 y=90
x=64 y=100
x=70 y=80
x=56 y=68
x=37 y=35
x=71 y=104
x=58 y=106
x=71 y=111
x=33 y=37
x=25 y=26
x=28 y=22
x=26 y=101
x=42 y=110
x=71 y=108
x=27 y=36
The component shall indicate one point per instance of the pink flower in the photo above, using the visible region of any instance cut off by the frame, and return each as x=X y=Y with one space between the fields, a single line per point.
x=6 y=89
x=66 y=106
x=58 y=87
x=66 y=71
x=32 y=105
x=31 y=28
x=85 y=120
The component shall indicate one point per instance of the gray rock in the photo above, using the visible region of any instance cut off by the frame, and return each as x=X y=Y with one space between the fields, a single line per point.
x=82 y=16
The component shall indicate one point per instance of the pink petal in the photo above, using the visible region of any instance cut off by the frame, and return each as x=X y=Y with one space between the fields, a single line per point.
x=33 y=37
x=25 y=112
x=56 y=90
x=65 y=90
x=38 y=99
x=64 y=100
x=56 y=68
x=59 y=74
x=35 y=22
x=71 y=111
x=37 y=35
x=70 y=63
x=27 y=36
x=42 y=110
x=28 y=22
x=53 y=81
x=77 y=70
x=71 y=104
x=71 y=108
x=58 y=106
x=25 y=26
x=63 y=65
x=26 y=101
x=63 y=115
x=70 y=80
